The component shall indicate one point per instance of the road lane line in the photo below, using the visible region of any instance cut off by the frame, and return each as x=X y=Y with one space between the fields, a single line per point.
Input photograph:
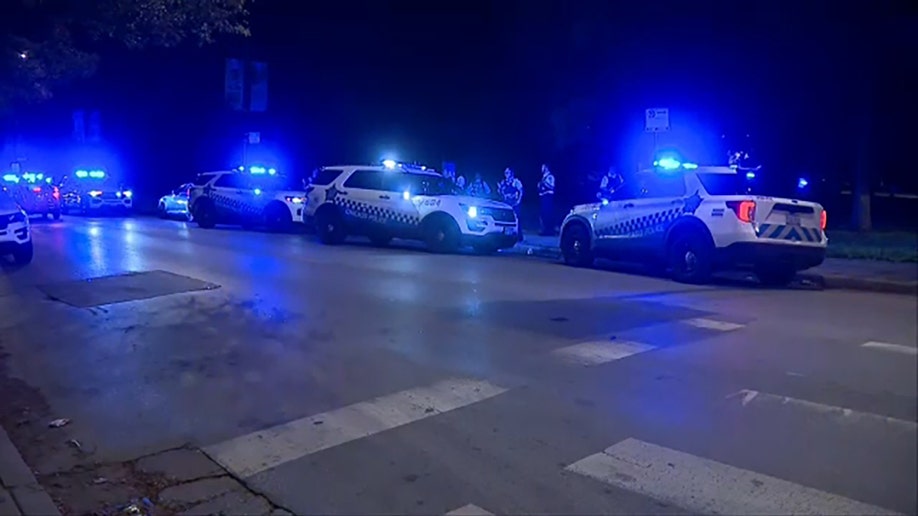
x=705 y=486
x=265 y=449
x=711 y=324
x=895 y=348
x=600 y=352
x=469 y=510
x=749 y=397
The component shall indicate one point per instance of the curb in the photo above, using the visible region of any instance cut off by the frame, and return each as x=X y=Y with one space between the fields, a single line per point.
x=826 y=281
x=17 y=478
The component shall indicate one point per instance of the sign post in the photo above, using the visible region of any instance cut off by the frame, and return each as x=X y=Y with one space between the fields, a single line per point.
x=250 y=139
x=655 y=121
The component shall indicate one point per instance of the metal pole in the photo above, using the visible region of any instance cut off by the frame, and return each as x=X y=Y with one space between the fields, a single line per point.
x=245 y=147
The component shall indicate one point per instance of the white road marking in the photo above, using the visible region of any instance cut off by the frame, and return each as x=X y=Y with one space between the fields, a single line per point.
x=749 y=396
x=895 y=348
x=711 y=324
x=600 y=352
x=705 y=486
x=469 y=510
x=259 y=451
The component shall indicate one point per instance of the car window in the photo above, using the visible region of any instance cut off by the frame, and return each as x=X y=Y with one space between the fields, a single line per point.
x=660 y=185
x=325 y=176
x=724 y=184
x=418 y=184
x=366 y=179
x=233 y=181
x=627 y=190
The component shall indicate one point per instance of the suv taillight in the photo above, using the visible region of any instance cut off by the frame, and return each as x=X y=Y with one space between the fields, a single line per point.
x=745 y=210
x=823 y=218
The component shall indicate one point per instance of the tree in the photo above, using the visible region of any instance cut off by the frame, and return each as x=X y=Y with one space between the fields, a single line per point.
x=47 y=43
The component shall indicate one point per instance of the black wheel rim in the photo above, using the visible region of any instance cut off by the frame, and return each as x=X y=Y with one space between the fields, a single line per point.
x=686 y=258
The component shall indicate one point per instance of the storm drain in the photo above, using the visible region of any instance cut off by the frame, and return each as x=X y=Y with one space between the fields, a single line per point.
x=133 y=286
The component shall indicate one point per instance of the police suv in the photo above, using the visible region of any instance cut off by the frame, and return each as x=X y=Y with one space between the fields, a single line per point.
x=34 y=193
x=403 y=201
x=89 y=191
x=251 y=197
x=15 y=236
x=695 y=220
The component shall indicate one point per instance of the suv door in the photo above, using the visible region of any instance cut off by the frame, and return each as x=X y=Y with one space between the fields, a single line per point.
x=235 y=197
x=658 y=203
x=363 y=200
x=609 y=227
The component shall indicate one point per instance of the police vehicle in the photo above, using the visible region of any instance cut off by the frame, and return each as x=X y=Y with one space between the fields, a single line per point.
x=695 y=220
x=250 y=197
x=15 y=236
x=35 y=194
x=410 y=202
x=93 y=191
x=175 y=204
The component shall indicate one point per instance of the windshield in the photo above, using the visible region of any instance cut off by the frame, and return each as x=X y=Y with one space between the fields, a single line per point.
x=423 y=184
x=725 y=184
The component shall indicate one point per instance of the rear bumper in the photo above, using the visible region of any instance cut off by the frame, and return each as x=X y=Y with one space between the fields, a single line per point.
x=752 y=254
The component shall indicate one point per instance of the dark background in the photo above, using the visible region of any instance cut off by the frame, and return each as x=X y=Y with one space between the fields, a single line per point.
x=810 y=88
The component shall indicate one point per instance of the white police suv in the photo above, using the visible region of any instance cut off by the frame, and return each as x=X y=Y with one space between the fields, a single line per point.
x=15 y=234
x=251 y=197
x=695 y=220
x=402 y=201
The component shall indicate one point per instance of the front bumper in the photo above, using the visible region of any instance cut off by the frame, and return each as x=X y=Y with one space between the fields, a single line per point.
x=753 y=254
x=498 y=240
x=12 y=236
x=96 y=203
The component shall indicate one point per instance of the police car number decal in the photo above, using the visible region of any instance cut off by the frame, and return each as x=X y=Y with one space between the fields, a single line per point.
x=429 y=202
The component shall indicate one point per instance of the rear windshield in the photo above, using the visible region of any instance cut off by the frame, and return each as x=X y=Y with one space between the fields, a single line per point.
x=325 y=176
x=202 y=179
x=725 y=184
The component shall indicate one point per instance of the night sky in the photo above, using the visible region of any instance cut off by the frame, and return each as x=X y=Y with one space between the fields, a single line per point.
x=515 y=83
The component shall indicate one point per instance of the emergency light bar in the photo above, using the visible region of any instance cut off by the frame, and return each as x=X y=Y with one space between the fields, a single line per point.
x=11 y=178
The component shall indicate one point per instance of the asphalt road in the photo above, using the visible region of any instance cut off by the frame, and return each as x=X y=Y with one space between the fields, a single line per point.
x=353 y=380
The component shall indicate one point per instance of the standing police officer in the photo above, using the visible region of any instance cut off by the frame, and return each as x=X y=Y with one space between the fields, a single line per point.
x=547 y=201
x=511 y=191
x=479 y=187
x=609 y=184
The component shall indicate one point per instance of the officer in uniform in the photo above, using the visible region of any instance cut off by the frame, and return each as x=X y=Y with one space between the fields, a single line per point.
x=479 y=187
x=547 y=201
x=609 y=184
x=511 y=190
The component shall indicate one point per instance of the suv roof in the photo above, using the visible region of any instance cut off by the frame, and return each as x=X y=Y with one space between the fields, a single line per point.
x=383 y=169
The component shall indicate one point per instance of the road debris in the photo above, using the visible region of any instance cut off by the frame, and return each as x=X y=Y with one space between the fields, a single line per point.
x=76 y=444
x=57 y=423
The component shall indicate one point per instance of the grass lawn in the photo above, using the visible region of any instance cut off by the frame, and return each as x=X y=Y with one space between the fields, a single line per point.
x=890 y=246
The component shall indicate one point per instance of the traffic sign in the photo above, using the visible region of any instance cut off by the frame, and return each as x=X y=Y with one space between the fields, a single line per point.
x=656 y=119
x=253 y=138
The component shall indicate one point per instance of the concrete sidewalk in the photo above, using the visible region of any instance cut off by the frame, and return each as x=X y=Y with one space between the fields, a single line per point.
x=20 y=493
x=866 y=275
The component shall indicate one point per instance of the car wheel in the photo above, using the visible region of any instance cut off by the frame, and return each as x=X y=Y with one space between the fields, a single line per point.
x=330 y=227
x=775 y=275
x=380 y=240
x=575 y=246
x=23 y=254
x=691 y=258
x=162 y=211
x=205 y=215
x=277 y=217
x=442 y=235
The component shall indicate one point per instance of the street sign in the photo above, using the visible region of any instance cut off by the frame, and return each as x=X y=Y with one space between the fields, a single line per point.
x=656 y=119
x=253 y=138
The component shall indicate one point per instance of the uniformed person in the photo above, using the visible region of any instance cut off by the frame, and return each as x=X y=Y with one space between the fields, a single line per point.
x=511 y=191
x=609 y=184
x=479 y=187
x=546 y=201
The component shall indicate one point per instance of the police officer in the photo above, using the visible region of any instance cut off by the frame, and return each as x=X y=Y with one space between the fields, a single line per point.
x=479 y=187
x=547 y=201
x=609 y=184
x=511 y=191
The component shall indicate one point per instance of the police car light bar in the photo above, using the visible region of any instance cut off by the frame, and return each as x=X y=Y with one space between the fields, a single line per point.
x=96 y=174
x=81 y=174
x=11 y=178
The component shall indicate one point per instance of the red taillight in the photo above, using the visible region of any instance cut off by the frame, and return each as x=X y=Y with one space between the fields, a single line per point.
x=823 y=218
x=56 y=193
x=745 y=210
x=37 y=189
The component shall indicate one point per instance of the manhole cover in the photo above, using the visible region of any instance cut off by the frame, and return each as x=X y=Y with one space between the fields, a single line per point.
x=132 y=286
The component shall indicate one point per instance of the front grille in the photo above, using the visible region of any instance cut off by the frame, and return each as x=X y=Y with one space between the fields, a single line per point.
x=499 y=214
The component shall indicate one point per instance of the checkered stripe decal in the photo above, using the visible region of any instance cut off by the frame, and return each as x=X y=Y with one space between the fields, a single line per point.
x=659 y=220
x=376 y=213
x=235 y=205
x=791 y=233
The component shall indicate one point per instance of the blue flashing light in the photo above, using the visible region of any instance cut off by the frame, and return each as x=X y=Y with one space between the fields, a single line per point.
x=258 y=191
x=473 y=212
x=240 y=168
x=750 y=175
x=802 y=183
x=128 y=194
x=668 y=164
x=389 y=163
x=81 y=174
x=48 y=180
x=406 y=195
x=257 y=170
x=689 y=166
x=272 y=171
x=96 y=174
x=11 y=178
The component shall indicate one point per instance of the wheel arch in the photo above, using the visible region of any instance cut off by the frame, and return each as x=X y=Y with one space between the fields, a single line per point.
x=687 y=224
x=581 y=220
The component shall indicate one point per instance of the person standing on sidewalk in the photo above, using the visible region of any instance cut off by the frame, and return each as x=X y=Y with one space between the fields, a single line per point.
x=479 y=187
x=511 y=191
x=547 y=201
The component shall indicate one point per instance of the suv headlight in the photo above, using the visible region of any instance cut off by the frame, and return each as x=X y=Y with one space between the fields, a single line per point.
x=470 y=211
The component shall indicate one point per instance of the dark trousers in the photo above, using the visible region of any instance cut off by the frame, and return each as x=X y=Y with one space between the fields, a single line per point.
x=547 y=213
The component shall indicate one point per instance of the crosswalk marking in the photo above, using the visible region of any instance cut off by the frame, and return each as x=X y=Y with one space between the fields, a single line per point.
x=253 y=453
x=469 y=510
x=705 y=486
x=711 y=324
x=895 y=348
x=600 y=352
x=749 y=397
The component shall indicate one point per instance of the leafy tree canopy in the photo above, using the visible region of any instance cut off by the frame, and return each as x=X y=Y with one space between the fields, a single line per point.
x=47 y=43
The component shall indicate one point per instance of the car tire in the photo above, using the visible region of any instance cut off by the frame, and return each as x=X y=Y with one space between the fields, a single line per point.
x=330 y=227
x=690 y=256
x=23 y=254
x=205 y=215
x=775 y=275
x=162 y=211
x=277 y=217
x=441 y=234
x=576 y=246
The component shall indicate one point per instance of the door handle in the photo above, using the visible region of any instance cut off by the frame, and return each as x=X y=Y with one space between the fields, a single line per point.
x=629 y=205
x=384 y=197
